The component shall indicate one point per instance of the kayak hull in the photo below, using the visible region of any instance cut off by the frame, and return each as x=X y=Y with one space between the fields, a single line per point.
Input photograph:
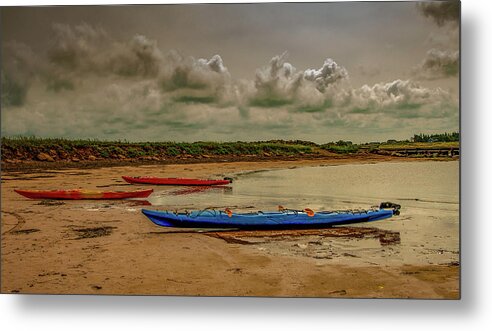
x=267 y=220
x=175 y=181
x=82 y=194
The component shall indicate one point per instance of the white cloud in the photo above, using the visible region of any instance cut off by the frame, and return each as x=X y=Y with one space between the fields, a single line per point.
x=281 y=83
x=399 y=93
x=330 y=73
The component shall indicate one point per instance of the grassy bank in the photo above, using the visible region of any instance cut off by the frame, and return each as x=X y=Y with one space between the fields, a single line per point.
x=26 y=149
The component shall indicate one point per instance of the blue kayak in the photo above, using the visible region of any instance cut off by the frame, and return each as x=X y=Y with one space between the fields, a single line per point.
x=265 y=220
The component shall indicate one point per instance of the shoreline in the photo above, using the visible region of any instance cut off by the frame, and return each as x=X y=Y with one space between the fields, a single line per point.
x=41 y=166
x=40 y=153
x=68 y=249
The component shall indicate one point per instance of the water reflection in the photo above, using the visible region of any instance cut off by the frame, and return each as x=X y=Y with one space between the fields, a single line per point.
x=426 y=232
x=201 y=189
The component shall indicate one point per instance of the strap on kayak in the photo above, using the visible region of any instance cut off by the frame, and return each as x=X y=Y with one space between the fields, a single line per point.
x=282 y=209
x=209 y=210
x=186 y=212
x=228 y=211
x=308 y=211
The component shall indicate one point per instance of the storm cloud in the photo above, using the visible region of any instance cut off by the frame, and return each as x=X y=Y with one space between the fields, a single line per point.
x=441 y=12
x=196 y=80
x=135 y=81
x=442 y=60
x=438 y=64
x=91 y=82
x=17 y=72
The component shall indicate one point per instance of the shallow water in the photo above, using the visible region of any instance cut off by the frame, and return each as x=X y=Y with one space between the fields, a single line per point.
x=428 y=226
x=341 y=186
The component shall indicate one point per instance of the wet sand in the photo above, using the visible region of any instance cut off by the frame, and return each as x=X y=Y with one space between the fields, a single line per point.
x=109 y=247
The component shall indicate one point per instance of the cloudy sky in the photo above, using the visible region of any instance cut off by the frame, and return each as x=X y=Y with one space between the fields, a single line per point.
x=357 y=71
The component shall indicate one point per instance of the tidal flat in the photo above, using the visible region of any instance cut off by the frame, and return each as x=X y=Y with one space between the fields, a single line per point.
x=109 y=247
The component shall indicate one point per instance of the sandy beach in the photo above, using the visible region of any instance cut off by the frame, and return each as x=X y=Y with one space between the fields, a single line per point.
x=80 y=247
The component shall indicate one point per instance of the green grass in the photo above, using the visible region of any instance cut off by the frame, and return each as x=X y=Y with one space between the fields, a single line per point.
x=32 y=146
x=270 y=102
x=343 y=149
x=27 y=148
x=196 y=99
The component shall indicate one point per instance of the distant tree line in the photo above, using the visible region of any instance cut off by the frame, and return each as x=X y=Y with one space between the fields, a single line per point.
x=440 y=137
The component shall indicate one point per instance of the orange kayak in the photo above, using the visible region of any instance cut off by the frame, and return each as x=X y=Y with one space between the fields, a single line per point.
x=82 y=194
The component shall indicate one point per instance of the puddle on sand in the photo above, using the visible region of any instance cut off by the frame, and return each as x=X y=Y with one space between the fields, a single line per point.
x=337 y=245
x=129 y=205
x=201 y=189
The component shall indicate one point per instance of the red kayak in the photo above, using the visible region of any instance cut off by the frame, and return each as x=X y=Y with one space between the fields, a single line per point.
x=82 y=194
x=175 y=181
